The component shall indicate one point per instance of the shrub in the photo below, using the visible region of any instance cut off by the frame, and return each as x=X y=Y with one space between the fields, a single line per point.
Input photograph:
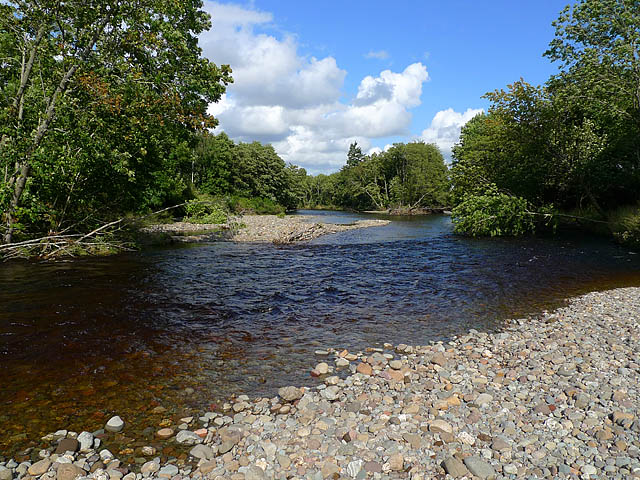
x=493 y=215
x=199 y=211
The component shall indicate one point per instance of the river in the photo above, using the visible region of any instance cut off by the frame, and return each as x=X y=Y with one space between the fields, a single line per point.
x=187 y=327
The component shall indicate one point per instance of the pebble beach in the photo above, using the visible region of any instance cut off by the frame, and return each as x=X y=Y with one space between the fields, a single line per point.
x=555 y=396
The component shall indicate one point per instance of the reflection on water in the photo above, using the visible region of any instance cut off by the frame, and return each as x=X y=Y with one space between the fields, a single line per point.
x=82 y=340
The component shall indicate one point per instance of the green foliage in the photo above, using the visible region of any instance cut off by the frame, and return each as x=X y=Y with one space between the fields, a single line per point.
x=255 y=205
x=493 y=215
x=574 y=142
x=407 y=175
x=626 y=225
x=103 y=120
x=198 y=211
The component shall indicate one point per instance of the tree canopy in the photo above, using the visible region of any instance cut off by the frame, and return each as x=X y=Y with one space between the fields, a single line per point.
x=99 y=106
x=571 y=145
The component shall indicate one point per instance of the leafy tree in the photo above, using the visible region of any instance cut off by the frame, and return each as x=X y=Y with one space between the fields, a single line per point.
x=98 y=91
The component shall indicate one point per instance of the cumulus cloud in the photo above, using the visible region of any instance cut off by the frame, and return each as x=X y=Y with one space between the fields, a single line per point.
x=379 y=55
x=445 y=127
x=293 y=101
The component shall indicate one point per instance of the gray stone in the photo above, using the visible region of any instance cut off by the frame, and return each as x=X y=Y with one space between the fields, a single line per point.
x=150 y=467
x=479 y=467
x=331 y=393
x=85 y=439
x=5 y=474
x=202 y=451
x=40 y=467
x=168 y=471
x=290 y=394
x=115 y=424
x=188 y=438
x=455 y=467
x=483 y=399
x=68 y=471
x=254 y=473
x=353 y=468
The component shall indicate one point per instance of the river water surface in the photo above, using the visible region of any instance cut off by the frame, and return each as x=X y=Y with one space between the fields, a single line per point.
x=187 y=327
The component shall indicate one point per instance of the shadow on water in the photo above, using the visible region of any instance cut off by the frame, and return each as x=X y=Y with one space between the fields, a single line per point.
x=82 y=340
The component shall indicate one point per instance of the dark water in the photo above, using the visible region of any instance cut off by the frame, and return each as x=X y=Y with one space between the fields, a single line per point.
x=83 y=340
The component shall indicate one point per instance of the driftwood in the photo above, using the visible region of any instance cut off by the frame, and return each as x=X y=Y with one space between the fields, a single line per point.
x=68 y=245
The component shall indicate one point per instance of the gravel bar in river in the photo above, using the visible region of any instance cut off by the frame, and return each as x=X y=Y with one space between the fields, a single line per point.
x=259 y=229
x=553 y=397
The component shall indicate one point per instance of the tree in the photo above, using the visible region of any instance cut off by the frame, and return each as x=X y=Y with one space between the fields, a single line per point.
x=71 y=65
x=355 y=155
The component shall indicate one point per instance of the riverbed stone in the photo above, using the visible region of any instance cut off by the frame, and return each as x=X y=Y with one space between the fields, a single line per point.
x=115 y=424
x=39 y=467
x=290 y=394
x=455 y=467
x=67 y=445
x=68 y=471
x=150 y=467
x=188 y=438
x=202 y=451
x=85 y=441
x=168 y=471
x=5 y=473
x=480 y=468
x=165 y=433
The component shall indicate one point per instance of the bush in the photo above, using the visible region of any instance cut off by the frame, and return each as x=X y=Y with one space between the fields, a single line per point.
x=493 y=215
x=258 y=205
x=202 y=211
x=626 y=226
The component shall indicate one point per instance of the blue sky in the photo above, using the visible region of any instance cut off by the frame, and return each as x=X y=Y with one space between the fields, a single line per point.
x=311 y=77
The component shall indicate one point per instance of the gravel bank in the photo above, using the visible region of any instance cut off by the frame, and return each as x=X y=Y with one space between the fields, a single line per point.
x=553 y=397
x=257 y=229
x=291 y=229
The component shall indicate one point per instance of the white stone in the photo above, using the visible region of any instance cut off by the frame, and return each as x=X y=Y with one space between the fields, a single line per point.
x=115 y=424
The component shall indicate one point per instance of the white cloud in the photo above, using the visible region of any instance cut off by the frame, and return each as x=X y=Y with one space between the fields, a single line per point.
x=445 y=127
x=379 y=54
x=294 y=102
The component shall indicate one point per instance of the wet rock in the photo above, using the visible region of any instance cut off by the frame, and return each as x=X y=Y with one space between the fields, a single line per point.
x=188 y=438
x=5 y=474
x=39 y=467
x=67 y=445
x=331 y=393
x=290 y=394
x=164 y=433
x=150 y=467
x=115 y=424
x=85 y=441
x=68 y=471
x=168 y=471
x=202 y=452
x=364 y=369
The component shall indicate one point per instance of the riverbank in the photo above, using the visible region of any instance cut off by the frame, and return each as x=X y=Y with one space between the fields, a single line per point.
x=557 y=396
x=257 y=229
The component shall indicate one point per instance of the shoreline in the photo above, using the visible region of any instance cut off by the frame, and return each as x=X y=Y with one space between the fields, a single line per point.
x=290 y=229
x=557 y=396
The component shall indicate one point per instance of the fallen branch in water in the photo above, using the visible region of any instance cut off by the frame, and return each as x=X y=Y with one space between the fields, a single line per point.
x=71 y=245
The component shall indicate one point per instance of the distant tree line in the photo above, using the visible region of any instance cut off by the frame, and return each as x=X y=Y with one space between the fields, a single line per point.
x=406 y=175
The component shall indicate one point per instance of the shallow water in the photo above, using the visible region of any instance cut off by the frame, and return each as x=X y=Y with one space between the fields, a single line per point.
x=86 y=339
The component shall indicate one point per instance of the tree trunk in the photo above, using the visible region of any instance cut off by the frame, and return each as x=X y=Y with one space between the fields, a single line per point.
x=23 y=168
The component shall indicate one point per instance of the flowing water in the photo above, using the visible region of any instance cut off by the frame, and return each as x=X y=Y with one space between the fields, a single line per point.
x=188 y=327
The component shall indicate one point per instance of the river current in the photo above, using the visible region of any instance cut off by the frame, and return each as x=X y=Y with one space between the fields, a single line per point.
x=187 y=327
